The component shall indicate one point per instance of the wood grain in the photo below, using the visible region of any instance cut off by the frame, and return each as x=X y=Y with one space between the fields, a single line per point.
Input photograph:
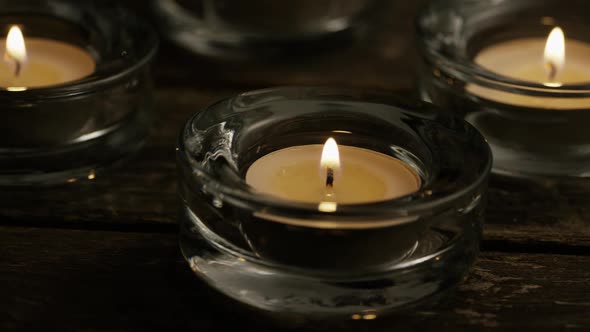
x=71 y=280
x=101 y=254
x=141 y=194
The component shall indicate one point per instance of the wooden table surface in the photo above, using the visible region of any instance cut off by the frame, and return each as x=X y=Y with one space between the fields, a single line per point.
x=102 y=254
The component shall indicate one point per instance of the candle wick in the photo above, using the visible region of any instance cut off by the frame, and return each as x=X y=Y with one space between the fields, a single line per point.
x=552 y=68
x=17 y=64
x=17 y=68
x=329 y=195
x=330 y=178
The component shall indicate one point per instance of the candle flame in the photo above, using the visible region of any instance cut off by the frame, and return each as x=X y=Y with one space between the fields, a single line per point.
x=554 y=56
x=329 y=168
x=16 y=50
x=330 y=161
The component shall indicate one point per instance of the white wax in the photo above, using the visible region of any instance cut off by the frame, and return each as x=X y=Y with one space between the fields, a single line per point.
x=522 y=59
x=50 y=62
x=365 y=175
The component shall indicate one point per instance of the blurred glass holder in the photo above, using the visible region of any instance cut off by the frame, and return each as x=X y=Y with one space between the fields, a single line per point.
x=61 y=132
x=245 y=29
x=362 y=258
x=538 y=131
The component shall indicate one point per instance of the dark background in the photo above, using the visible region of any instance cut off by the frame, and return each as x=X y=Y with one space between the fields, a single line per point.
x=102 y=254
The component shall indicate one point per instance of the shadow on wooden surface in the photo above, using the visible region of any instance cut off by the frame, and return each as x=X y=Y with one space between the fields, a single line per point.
x=101 y=254
x=72 y=280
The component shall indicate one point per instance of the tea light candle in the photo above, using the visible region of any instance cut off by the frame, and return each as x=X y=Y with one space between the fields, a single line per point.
x=331 y=174
x=252 y=241
x=538 y=60
x=41 y=62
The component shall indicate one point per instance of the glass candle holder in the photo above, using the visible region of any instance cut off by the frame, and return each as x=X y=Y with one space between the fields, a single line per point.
x=486 y=61
x=282 y=255
x=233 y=28
x=56 y=128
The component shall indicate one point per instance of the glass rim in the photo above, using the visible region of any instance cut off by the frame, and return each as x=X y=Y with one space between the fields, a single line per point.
x=465 y=69
x=402 y=209
x=92 y=83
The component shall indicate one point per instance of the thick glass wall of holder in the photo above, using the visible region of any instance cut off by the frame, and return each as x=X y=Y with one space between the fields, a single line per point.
x=485 y=61
x=67 y=129
x=286 y=256
x=236 y=28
